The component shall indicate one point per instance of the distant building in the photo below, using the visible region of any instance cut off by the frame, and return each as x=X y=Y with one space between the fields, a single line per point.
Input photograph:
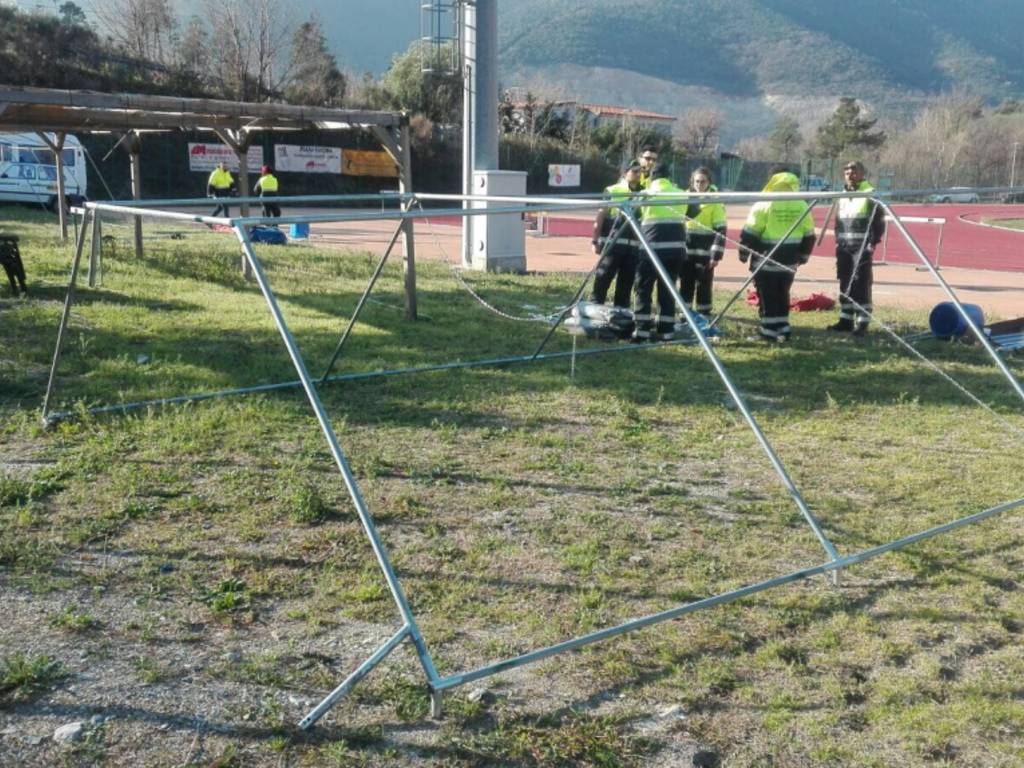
x=603 y=114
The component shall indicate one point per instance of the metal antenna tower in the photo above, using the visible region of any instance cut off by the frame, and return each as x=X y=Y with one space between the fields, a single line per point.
x=440 y=49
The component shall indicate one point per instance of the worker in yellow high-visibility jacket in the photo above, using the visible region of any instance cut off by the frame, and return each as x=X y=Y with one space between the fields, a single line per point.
x=788 y=225
x=664 y=235
x=267 y=186
x=859 y=228
x=220 y=184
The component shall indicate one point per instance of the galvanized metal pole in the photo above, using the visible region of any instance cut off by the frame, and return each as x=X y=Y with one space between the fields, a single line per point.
x=468 y=37
x=978 y=333
x=362 y=299
x=452 y=681
x=764 y=260
x=780 y=470
x=485 y=102
x=62 y=328
x=369 y=527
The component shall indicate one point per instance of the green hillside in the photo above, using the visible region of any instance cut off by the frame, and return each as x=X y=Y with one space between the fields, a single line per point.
x=879 y=50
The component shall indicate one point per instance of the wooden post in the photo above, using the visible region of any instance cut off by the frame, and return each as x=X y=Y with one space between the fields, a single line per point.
x=397 y=145
x=405 y=185
x=239 y=141
x=57 y=146
x=134 y=144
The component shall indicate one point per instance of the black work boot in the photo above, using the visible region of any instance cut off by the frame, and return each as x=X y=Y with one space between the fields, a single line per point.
x=845 y=324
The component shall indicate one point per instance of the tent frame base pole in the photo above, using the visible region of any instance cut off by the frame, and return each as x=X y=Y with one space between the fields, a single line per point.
x=497 y=362
x=846 y=561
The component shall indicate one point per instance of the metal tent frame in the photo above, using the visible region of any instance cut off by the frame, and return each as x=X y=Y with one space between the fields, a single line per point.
x=408 y=629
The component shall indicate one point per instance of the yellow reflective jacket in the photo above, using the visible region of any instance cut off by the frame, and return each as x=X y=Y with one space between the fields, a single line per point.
x=267 y=184
x=705 y=234
x=770 y=220
x=220 y=179
x=853 y=215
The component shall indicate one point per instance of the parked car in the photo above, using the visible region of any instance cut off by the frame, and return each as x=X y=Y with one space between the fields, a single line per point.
x=814 y=184
x=954 y=195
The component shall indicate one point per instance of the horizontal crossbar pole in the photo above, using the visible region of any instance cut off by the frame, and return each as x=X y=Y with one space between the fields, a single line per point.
x=726 y=597
x=496 y=361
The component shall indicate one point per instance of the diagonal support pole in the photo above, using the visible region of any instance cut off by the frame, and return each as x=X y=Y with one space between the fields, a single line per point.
x=610 y=241
x=860 y=251
x=764 y=260
x=780 y=470
x=362 y=671
x=366 y=294
x=978 y=333
x=410 y=627
x=68 y=300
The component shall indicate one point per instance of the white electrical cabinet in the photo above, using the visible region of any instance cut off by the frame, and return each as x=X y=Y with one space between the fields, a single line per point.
x=498 y=240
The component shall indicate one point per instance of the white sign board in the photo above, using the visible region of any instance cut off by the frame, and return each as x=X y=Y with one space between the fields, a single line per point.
x=292 y=157
x=204 y=157
x=563 y=175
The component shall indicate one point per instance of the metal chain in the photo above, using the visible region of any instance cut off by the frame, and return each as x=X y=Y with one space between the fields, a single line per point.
x=889 y=330
x=456 y=272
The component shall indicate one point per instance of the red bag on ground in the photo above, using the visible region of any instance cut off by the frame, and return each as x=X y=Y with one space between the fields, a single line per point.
x=752 y=298
x=816 y=301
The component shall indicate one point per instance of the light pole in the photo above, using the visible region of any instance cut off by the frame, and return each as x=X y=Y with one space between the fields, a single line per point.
x=1013 y=165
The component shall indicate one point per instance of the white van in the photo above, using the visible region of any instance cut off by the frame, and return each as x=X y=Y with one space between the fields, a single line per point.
x=28 y=170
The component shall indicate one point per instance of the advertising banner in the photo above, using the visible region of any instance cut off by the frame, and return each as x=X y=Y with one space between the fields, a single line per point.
x=204 y=157
x=563 y=175
x=306 y=159
x=358 y=162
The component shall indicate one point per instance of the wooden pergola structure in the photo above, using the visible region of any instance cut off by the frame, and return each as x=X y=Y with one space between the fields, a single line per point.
x=55 y=113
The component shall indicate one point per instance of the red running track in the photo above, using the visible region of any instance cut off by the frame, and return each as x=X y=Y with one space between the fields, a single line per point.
x=965 y=242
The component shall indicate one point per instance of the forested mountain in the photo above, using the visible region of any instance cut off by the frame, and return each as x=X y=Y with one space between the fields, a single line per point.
x=751 y=59
x=756 y=58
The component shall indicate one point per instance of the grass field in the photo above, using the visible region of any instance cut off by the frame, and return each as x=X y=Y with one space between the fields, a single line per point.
x=1011 y=223
x=189 y=581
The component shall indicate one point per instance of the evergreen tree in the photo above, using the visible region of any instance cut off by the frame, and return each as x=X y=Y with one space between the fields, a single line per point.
x=847 y=130
x=315 y=78
x=785 y=139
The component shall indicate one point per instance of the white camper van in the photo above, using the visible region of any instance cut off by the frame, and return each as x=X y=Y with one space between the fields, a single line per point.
x=28 y=170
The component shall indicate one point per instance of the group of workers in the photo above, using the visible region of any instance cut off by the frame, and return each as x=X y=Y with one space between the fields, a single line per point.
x=689 y=240
x=221 y=185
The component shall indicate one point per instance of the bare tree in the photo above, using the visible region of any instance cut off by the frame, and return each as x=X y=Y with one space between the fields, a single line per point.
x=697 y=130
x=757 y=148
x=247 y=46
x=143 y=28
x=932 y=152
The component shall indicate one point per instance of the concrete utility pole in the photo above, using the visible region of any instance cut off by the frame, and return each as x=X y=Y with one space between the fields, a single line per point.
x=492 y=242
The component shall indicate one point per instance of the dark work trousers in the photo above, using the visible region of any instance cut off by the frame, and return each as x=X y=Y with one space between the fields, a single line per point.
x=618 y=264
x=695 y=279
x=668 y=240
x=272 y=209
x=222 y=209
x=856 y=286
x=773 y=290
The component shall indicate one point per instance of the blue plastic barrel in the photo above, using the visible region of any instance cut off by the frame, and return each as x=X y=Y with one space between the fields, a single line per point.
x=946 y=320
x=299 y=231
